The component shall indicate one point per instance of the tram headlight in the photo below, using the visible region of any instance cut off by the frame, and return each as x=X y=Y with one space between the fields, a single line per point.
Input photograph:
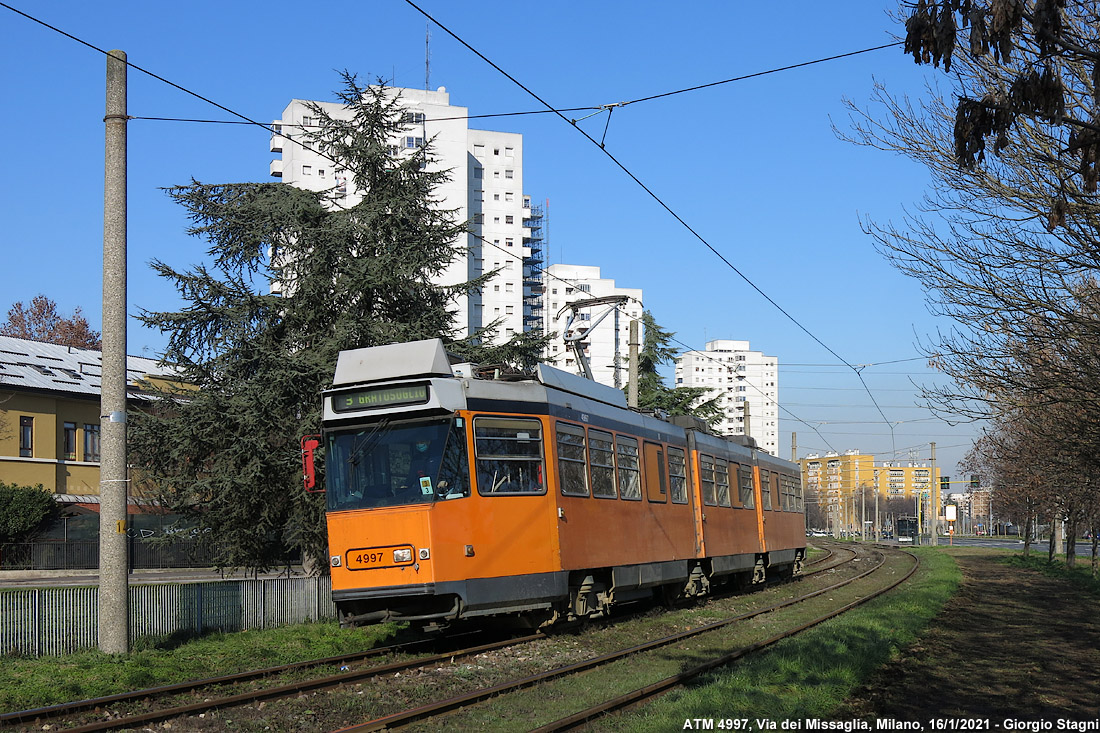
x=335 y=561
x=405 y=555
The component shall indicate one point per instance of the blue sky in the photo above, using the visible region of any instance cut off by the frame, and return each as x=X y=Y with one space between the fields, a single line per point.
x=753 y=166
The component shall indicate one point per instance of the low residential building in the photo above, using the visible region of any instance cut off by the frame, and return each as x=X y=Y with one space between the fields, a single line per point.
x=50 y=413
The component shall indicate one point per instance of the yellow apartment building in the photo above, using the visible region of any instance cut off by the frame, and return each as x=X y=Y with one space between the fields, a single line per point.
x=837 y=481
x=50 y=414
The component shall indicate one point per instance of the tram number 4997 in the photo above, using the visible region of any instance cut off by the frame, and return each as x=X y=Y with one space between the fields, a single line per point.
x=379 y=557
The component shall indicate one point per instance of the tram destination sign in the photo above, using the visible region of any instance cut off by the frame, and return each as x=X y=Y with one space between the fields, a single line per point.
x=372 y=398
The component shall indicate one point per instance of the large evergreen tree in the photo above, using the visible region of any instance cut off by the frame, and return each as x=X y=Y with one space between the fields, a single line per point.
x=653 y=393
x=226 y=454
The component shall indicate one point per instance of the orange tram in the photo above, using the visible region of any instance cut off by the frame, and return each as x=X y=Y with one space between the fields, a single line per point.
x=454 y=495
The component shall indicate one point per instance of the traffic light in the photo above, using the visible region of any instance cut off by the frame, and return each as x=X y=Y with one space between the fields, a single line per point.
x=945 y=484
x=975 y=482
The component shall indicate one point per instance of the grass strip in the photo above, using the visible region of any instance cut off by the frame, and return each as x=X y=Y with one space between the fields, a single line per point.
x=809 y=676
x=1080 y=575
x=37 y=682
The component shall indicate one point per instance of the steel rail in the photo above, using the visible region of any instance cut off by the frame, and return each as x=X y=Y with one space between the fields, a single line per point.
x=828 y=553
x=52 y=711
x=292 y=688
x=405 y=717
x=657 y=688
x=832 y=553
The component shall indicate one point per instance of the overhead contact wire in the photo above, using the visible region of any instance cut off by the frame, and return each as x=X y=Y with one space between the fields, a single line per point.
x=662 y=204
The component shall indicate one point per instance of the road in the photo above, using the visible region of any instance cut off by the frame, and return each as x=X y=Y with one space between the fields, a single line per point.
x=1084 y=547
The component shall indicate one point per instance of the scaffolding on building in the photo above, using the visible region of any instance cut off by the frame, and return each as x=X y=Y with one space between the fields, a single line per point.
x=535 y=225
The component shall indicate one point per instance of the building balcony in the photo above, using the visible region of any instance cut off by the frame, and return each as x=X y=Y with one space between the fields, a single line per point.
x=276 y=168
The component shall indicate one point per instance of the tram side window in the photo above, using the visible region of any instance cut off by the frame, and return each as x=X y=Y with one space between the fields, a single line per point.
x=786 y=487
x=800 y=504
x=722 y=482
x=630 y=480
x=766 y=489
x=601 y=455
x=509 y=456
x=706 y=478
x=747 y=500
x=677 y=475
x=572 y=471
x=735 y=492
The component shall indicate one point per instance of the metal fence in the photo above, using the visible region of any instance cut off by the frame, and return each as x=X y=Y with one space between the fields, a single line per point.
x=85 y=555
x=52 y=621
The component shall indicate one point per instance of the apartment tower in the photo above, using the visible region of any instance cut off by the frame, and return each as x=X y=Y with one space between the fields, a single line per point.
x=485 y=188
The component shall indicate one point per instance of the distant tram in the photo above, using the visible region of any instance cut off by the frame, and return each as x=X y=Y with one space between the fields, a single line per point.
x=455 y=494
x=907 y=529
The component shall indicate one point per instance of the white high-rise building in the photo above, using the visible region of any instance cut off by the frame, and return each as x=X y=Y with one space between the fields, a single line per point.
x=746 y=383
x=608 y=343
x=485 y=188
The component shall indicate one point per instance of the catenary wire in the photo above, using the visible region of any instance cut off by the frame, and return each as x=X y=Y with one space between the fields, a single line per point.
x=758 y=73
x=663 y=205
x=248 y=121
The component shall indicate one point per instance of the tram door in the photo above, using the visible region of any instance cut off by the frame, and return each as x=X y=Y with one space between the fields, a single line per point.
x=656 y=478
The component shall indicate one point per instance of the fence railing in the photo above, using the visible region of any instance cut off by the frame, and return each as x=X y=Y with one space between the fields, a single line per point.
x=52 y=621
x=84 y=555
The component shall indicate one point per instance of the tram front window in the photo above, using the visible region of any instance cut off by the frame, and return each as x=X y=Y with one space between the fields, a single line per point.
x=389 y=465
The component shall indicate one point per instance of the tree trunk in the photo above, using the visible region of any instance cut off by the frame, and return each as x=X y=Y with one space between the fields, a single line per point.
x=1028 y=517
x=1071 y=543
x=1095 y=540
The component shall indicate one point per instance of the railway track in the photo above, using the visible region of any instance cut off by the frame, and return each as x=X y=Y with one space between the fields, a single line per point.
x=140 y=708
x=648 y=692
x=112 y=703
x=430 y=712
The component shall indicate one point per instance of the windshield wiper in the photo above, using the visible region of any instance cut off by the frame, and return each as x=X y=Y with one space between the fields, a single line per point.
x=368 y=441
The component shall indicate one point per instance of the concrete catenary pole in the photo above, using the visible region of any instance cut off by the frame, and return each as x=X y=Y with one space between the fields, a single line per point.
x=935 y=520
x=632 y=390
x=114 y=626
x=863 y=512
x=878 y=525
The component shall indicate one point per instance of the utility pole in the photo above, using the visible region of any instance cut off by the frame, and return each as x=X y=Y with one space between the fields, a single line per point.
x=863 y=512
x=114 y=616
x=935 y=519
x=794 y=447
x=878 y=530
x=916 y=508
x=632 y=390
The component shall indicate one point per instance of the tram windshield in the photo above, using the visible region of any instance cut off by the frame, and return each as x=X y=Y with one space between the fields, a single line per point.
x=394 y=464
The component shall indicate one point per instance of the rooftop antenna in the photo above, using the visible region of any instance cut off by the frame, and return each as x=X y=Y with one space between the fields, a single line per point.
x=427 y=56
